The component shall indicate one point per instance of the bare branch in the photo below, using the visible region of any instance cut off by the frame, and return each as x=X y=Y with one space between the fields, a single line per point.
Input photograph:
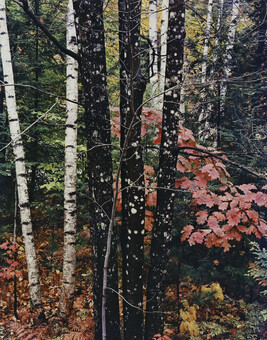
x=25 y=6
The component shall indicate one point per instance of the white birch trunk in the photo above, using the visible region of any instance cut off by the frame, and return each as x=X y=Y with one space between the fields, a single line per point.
x=202 y=116
x=19 y=155
x=69 y=257
x=228 y=56
x=163 y=49
x=153 y=52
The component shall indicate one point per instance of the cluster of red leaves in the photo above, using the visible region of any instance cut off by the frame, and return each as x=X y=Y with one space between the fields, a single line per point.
x=221 y=210
x=81 y=325
x=11 y=269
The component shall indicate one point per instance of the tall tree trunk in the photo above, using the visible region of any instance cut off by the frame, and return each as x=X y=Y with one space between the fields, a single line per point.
x=202 y=119
x=36 y=106
x=70 y=209
x=2 y=137
x=153 y=52
x=211 y=117
x=161 y=239
x=227 y=63
x=21 y=175
x=132 y=87
x=163 y=49
x=97 y=120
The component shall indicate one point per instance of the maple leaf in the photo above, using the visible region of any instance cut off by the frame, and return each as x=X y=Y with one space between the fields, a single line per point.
x=196 y=237
x=186 y=232
x=211 y=171
x=4 y=245
x=211 y=240
x=214 y=226
x=262 y=227
x=241 y=228
x=253 y=215
x=223 y=206
x=200 y=181
x=233 y=216
x=260 y=199
x=180 y=167
x=202 y=216
x=220 y=216
x=186 y=183
x=246 y=188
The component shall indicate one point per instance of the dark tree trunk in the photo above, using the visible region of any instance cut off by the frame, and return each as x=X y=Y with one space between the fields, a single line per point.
x=2 y=138
x=166 y=175
x=36 y=107
x=97 y=120
x=132 y=87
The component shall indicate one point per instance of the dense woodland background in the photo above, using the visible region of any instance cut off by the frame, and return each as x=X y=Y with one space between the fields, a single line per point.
x=188 y=254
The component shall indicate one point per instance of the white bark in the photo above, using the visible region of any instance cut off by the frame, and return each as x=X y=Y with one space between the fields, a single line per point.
x=163 y=49
x=216 y=42
x=70 y=208
x=228 y=55
x=19 y=155
x=153 y=52
x=202 y=119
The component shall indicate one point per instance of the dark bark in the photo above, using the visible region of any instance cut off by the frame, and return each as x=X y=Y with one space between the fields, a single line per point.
x=36 y=107
x=97 y=120
x=166 y=175
x=132 y=87
x=3 y=138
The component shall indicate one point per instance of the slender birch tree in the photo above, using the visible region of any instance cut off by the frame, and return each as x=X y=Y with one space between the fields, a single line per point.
x=91 y=40
x=203 y=97
x=132 y=87
x=153 y=52
x=163 y=49
x=19 y=155
x=162 y=236
x=70 y=209
x=227 y=67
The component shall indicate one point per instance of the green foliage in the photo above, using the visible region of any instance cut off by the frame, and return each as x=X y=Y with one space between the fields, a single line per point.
x=258 y=269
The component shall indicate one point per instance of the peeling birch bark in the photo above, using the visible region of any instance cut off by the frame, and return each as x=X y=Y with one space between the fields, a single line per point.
x=153 y=52
x=19 y=155
x=70 y=208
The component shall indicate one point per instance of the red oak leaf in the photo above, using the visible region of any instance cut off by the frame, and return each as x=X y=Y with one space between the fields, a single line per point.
x=186 y=232
x=253 y=215
x=246 y=188
x=202 y=216
x=220 y=216
x=260 y=199
x=262 y=227
x=233 y=216
x=196 y=237
x=211 y=171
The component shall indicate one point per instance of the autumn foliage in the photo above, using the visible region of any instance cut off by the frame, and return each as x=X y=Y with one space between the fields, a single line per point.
x=221 y=211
